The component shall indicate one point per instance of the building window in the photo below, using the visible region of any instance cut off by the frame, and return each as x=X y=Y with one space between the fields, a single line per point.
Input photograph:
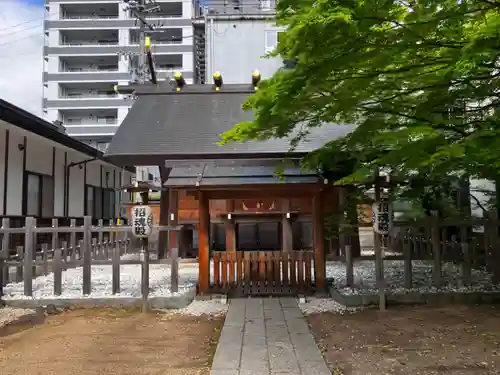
x=272 y=38
x=89 y=204
x=39 y=195
x=265 y=4
x=108 y=204
x=33 y=195
x=100 y=202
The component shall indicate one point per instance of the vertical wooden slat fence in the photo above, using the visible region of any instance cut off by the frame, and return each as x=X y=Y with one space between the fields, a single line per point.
x=469 y=244
x=244 y=273
x=99 y=245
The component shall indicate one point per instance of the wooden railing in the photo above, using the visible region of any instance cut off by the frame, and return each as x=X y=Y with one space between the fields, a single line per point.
x=99 y=245
x=263 y=272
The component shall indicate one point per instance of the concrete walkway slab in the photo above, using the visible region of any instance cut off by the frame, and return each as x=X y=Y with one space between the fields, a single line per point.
x=264 y=336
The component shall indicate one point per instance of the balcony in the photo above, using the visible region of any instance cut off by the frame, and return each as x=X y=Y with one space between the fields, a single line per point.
x=94 y=90
x=235 y=7
x=166 y=10
x=166 y=36
x=89 y=11
x=89 y=38
x=89 y=117
x=90 y=94
x=86 y=64
x=163 y=63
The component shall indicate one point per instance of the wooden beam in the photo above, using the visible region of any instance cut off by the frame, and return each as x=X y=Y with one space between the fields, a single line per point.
x=273 y=193
x=203 y=244
x=319 y=242
x=230 y=228
x=286 y=226
x=173 y=218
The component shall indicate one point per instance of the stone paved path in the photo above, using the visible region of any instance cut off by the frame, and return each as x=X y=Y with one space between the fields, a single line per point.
x=263 y=336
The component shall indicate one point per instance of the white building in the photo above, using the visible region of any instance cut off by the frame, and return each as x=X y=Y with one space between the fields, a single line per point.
x=91 y=46
x=47 y=174
x=248 y=27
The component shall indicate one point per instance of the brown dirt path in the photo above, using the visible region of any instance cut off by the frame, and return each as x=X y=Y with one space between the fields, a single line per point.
x=456 y=340
x=108 y=341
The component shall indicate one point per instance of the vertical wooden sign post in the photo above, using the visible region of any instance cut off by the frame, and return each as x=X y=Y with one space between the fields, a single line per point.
x=142 y=223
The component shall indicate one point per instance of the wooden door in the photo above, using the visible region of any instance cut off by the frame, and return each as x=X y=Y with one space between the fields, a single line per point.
x=260 y=236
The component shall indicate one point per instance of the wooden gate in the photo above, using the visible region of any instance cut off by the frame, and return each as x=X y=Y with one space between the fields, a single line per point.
x=243 y=273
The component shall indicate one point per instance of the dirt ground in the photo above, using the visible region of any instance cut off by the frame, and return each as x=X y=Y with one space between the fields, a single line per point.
x=411 y=340
x=111 y=342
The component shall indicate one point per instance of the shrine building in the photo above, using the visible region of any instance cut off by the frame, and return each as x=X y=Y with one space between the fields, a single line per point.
x=254 y=232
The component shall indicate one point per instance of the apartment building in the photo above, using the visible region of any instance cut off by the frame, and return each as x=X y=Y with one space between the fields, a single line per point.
x=93 y=45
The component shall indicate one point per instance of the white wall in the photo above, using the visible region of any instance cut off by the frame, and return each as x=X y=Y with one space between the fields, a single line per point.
x=14 y=174
x=237 y=47
x=39 y=159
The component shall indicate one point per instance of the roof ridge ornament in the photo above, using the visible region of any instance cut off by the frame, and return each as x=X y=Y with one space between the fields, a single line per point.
x=217 y=76
x=179 y=80
x=256 y=77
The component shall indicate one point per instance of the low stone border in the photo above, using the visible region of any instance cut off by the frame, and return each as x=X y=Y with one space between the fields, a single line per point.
x=156 y=303
x=36 y=316
x=414 y=298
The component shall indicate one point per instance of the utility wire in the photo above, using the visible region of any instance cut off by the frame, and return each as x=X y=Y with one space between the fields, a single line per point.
x=20 y=31
x=23 y=23
x=23 y=38
x=14 y=55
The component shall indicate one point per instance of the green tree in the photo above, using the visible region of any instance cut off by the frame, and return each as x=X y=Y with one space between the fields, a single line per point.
x=418 y=78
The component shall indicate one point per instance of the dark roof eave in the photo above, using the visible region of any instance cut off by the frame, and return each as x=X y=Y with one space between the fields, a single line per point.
x=34 y=124
x=159 y=159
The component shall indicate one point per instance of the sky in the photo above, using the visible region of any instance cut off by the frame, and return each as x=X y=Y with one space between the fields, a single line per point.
x=21 y=61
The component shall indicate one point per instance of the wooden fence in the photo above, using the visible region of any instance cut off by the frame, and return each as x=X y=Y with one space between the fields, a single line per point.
x=263 y=272
x=88 y=245
x=471 y=244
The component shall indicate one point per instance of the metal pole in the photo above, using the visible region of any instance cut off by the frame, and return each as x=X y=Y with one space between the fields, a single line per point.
x=142 y=54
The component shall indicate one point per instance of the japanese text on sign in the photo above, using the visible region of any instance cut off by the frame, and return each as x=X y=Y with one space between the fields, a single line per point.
x=142 y=221
x=382 y=217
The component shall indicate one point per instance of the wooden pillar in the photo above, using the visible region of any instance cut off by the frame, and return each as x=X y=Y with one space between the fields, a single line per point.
x=286 y=227
x=319 y=242
x=145 y=201
x=203 y=244
x=379 y=255
x=342 y=241
x=173 y=218
x=230 y=227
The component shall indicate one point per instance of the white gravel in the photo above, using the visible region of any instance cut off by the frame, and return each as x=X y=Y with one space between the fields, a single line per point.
x=364 y=280
x=201 y=308
x=319 y=305
x=10 y=315
x=101 y=283
x=364 y=277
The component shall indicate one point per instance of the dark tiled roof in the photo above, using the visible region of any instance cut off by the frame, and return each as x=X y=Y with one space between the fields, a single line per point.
x=165 y=124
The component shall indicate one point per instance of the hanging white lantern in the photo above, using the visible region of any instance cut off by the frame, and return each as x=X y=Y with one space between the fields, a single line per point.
x=382 y=217
x=142 y=221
